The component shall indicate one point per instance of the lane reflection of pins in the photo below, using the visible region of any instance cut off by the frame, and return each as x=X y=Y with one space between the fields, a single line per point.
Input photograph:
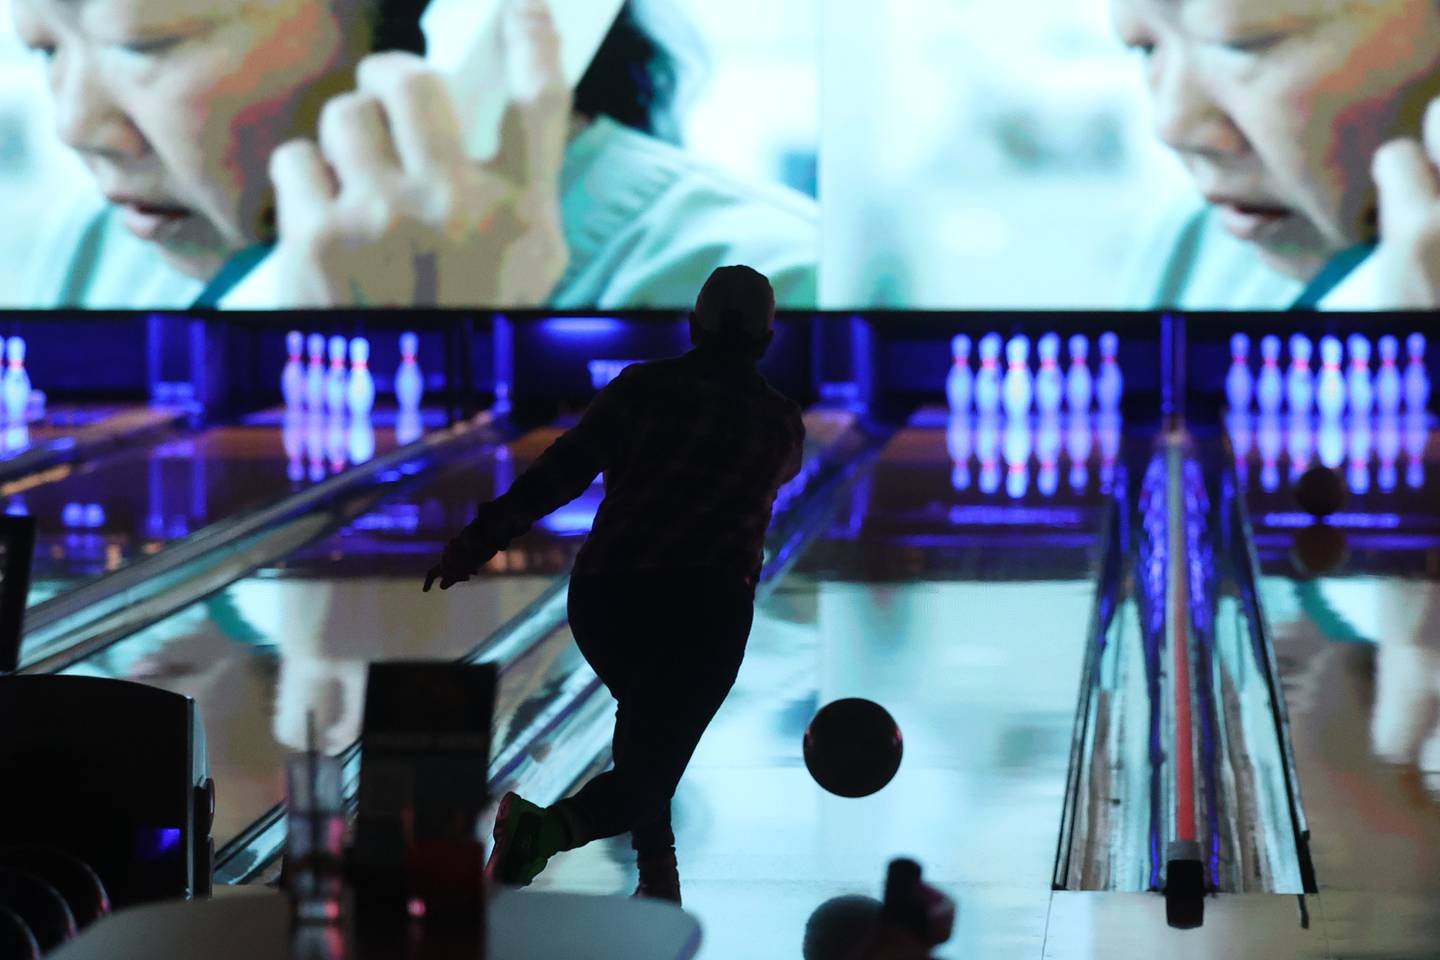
x=362 y=439
x=958 y=441
x=1077 y=449
x=1047 y=451
x=1270 y=440
x=1299 y=444
x=292 y=435
x=1330 y=443
x=1357 y=472
x=1108 y=434
x=1017 y=456
x=1242 y=440
x=17 y=436
x=315 y=443
x=1387 y=450
x=408 y=426
x=1417 y=433
x=987 y=450
x=335 y=446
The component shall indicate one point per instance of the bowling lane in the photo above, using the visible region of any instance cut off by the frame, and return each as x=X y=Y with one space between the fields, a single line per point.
x=1353 y=608
x=97 y=516
x=962 y=605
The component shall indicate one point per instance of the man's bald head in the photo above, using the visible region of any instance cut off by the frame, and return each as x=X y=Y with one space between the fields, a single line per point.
x=736 y=303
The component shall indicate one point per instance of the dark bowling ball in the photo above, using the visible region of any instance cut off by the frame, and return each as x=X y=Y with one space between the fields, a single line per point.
x=39 y=905
x=1318 y=550
x=1320 y=491
x=16 y=940
x=838 y=925
x=77 y=882
x=852 y=747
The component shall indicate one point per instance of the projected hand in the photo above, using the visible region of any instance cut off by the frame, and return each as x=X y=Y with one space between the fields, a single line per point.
x=1407 y=260
x=1405 y=727
x=388 y=210
x=457 y=564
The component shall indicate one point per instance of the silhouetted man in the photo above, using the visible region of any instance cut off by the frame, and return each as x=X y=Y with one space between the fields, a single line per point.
x=662 y=595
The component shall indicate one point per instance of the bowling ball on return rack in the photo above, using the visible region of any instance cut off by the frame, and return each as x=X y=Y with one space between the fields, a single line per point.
x=1320 y=491
x=852 y=747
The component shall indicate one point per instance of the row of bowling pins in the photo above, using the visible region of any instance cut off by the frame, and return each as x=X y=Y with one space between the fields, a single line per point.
x=349 y=388
x=15 y=386
x=321 y=443
x=1333 y=391
x=1348 y=445
x=990 y=441
x=1047 y=388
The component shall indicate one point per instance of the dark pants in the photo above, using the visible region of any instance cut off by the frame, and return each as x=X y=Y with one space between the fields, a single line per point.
x=668 y=647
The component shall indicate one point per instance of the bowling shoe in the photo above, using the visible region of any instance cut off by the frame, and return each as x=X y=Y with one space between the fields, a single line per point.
x=526 y=837
x=659 y=877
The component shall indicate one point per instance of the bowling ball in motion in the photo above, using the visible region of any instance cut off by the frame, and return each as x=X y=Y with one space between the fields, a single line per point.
x=852 y=747
x=1320 y=491
x=16 y=940
x=39 y=904
x=1318 y=550
x=73 y=878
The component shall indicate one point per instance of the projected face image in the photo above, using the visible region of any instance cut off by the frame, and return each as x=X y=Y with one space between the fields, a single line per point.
x=1276 y=108
x=174 y=106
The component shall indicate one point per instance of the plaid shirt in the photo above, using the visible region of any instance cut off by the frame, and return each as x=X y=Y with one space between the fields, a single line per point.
x=693 y=450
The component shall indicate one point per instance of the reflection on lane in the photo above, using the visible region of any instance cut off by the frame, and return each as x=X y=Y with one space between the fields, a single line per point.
x=98 y=516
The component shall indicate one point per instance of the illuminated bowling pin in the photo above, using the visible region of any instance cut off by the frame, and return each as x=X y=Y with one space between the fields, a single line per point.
x=315 y=441
x=1108 y=434
x=1357 y=379
x=987 y=451
x=1417 y=381
x=1357 y=470
x=292 y=381
x=1330 y=387
x=1299 y=444
x=1242 y=439
x=1111 y=384
x=1077 y=449
x=1387 y=381
x=1270 y=441
x=960 y=381
x=1417 y=432
x=1049 y=382
x=1387 y=450
x=335 y=445
x=1239 y=383
x=408 y=426
x=1079 y=385
x=1269 y=385
x=360 y=391
x=335 y=380
x=362 y=439
x=1299 y=381
x=1018 y=388
x=987 y=380
x=409 y=383
x=1017 y=457
x=958 y=443
x=315 y=373
x=1330 y=442
x=1047 y=451
x=16 y=384
x=292 y=436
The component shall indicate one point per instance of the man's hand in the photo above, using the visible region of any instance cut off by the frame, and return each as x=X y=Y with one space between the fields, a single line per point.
x=456 y=565
x=1407 y=261
x=388 y=210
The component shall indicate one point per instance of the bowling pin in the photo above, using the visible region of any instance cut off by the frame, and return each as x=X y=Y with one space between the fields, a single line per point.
x=1111 y=383
x=16 y=384
x=1270 y=441
x=315 y=373
x=958 y=442
x=1417 y=381
x=315 y=442
x=360 y=391
x=1330 y=388
x=959 y=383
x=1269 y=386
x=409 y=383
x=1239 y=384
x=987 y=451
x=1077 y=449
x=1417 y=432
x=335 y=445
x=987 y=380
x=1387 y=449
x=1387 y=381
x=1079 y=385
x=1018 y=388
x=1357 y=380
x=1049 y=382
x=362 y=439
x=335 y=380
x=1299 y=444
x=292 y=436
x=1330 y=442
x=292 y=381
x=1047 y=451
x=1357 y=471
x=1237 y=425
x=1299 y=381
x=1017 y=457
x=408 y=426
x=1107 y=432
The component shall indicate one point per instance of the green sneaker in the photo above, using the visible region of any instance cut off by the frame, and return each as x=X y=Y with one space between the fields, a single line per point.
x=517 y=856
